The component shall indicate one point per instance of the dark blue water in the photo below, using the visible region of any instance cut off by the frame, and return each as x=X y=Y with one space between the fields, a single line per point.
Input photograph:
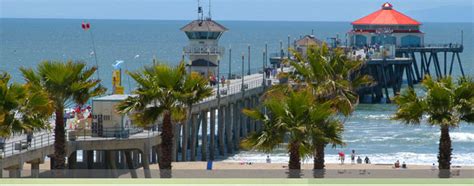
x=26 y=42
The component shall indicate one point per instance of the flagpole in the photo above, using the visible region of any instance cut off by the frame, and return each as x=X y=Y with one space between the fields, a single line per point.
x=95 y=54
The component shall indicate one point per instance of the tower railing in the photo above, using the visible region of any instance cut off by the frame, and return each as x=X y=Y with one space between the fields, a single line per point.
x=204 y=50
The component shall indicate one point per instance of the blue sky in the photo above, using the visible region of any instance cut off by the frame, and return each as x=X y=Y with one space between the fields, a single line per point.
x=288 y=10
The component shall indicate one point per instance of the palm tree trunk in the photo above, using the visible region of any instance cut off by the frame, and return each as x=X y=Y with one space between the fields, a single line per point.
x=59 y=140
x=444 y=157
x=294 y=164
x=295 y=161
x=318 y=169
x=319 y=156
x=166 y=146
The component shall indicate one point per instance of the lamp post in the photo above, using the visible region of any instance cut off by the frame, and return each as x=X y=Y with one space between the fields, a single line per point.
x=288 y=51
x=248 y=72
x=264 y=68
x=243 y=61
x=230 y=62
x=218 y=83
x=281 y=55
x=266 y=54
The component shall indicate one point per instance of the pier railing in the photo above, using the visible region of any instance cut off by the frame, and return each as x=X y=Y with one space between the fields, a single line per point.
x=19 y=146
x=47 y=139
x=436 y=45
x=226 y=90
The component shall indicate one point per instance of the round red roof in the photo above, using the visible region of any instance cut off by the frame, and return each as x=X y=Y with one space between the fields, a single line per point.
x=386 y=16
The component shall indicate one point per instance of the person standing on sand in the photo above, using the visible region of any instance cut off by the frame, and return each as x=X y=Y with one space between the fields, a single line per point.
x=433 y=167
x=342 y=156
x=269 y=160
x=359 y=160
x=367 y=161
x=353 y=157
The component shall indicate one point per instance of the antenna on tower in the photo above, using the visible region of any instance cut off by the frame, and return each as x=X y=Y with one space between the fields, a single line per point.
x=200 y=12
x=210 y=17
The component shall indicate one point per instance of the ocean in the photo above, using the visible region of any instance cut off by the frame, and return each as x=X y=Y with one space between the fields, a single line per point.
x=369 y=131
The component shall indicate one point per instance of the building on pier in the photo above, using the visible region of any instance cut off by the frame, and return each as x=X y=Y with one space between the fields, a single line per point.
x=302 y=44
x=386 y=26
x=107 y=122
x=203 y=49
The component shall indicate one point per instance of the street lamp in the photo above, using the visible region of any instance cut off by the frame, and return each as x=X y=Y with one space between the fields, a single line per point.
x=243 y=61
x=248 y=73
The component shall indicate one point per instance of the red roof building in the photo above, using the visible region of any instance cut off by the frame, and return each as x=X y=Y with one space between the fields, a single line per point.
x=386 y=26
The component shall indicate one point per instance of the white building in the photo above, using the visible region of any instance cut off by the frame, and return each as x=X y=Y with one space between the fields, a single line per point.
x=203 y=49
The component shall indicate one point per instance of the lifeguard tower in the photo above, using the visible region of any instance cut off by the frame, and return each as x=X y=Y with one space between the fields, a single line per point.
x=203 y=49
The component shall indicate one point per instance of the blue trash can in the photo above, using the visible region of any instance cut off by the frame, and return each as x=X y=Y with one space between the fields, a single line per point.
x=209 y=165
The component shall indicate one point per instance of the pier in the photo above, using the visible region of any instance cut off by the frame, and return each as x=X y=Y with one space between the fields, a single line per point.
x=426 y=59
x=216 y=128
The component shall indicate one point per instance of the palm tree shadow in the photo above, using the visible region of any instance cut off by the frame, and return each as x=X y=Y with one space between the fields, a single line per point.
x=445 y=173
x=294 y=173
x=165 y=173
x=319 y=173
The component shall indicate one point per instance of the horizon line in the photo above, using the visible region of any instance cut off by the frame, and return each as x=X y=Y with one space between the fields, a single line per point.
x=151 y=19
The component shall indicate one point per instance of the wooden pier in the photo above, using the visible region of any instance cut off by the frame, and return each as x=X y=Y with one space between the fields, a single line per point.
x=426 y=59
x=216 y=128
x=409 y=66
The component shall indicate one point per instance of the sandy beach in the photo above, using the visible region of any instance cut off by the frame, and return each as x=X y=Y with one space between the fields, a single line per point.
x=276 y=170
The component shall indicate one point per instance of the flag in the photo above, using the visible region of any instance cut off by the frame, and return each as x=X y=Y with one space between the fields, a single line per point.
x=117 y=64
x=92 y=53
x=85 y=26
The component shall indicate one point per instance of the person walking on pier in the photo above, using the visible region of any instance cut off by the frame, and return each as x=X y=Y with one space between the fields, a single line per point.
x=2 y=144
x=29 y=138
x=223 y=81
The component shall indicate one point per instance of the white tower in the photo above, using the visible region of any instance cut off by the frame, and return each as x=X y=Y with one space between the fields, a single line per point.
x=203 y=49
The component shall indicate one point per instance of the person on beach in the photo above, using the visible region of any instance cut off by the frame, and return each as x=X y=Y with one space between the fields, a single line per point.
x=433 y=167
x=269 y=160
x=367 y=161
x=397 y=164
x=404 y=165
x=342 y=157
x=359 y=160
x=353 y=157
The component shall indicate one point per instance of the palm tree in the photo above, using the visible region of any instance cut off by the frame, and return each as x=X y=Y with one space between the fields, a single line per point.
x=164 y=92
x=333 y=78
x=446 y=103
x=65 y=83
x=22 y=108
x=292 y=114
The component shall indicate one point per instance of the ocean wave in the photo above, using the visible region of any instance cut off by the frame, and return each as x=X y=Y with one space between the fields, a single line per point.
x=461 y=137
